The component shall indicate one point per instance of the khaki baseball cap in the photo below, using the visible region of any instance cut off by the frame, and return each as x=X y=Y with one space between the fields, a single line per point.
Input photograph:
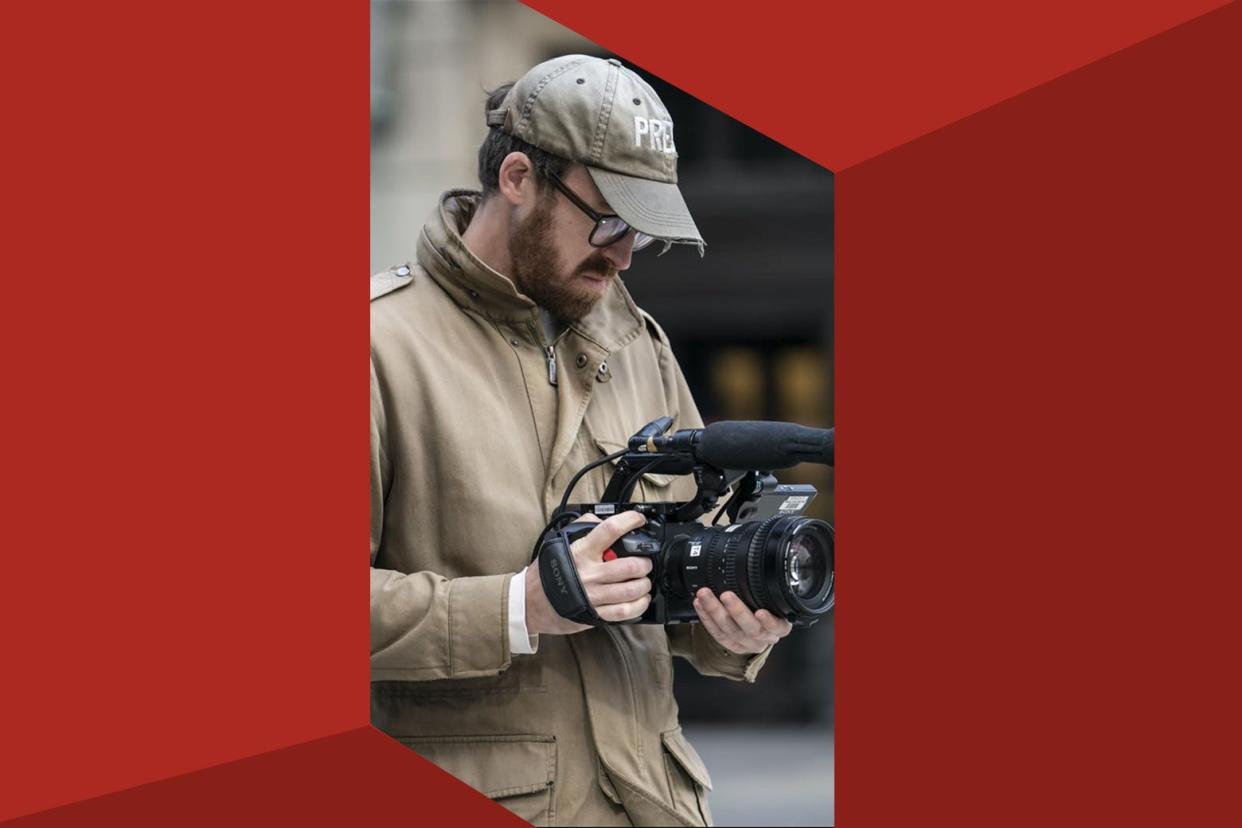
x=602 y=115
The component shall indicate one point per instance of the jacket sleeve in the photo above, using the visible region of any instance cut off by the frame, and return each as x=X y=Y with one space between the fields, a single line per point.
x=695 y=644
x=692 y=641
x=425 y=626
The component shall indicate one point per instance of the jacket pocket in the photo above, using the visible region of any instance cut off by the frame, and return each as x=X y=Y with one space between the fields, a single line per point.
x=517 y=771
x=687 y=776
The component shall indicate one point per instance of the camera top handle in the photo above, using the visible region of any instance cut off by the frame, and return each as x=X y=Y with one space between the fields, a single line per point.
x=643 y=457
x=637 y=460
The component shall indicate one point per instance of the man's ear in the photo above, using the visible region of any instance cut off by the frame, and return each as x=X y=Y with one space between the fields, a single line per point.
x=517 y=179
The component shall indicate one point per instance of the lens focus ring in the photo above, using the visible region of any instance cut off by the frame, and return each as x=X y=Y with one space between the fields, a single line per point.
x=730 y=561
x=754 y=562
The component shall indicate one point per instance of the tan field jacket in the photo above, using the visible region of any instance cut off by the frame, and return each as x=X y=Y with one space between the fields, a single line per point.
x=471 y=448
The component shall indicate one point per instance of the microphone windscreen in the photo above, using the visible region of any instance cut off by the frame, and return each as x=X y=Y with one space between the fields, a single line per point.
x=756 y=444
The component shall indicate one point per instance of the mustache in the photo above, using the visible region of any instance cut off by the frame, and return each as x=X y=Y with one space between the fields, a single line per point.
x=598 y=266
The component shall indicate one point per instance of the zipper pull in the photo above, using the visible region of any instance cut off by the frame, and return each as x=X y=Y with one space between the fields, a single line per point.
x=551 y=352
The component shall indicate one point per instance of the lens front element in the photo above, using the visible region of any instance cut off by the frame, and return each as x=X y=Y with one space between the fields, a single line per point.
x=790 y=568
x=807 y=565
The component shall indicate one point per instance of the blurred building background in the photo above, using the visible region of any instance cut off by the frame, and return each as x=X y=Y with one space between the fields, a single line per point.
x=751 y=324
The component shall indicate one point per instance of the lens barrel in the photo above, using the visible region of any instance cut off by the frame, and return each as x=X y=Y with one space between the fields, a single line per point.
x=784 y=564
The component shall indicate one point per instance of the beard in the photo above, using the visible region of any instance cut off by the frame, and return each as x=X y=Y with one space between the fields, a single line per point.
x=536 y=269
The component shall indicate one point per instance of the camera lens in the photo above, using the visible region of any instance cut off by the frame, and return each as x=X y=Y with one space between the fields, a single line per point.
x=782 y=564
x=806 y=568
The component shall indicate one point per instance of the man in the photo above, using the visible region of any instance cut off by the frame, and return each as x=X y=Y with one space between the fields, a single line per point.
x=504 y=359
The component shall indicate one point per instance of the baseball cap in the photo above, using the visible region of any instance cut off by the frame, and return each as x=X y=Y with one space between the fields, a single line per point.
x=602 y=115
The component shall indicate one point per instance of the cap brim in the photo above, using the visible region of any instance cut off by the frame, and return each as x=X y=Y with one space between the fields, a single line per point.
x=652 y=207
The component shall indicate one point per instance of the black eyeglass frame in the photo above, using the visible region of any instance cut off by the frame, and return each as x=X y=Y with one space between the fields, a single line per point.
x=641 y=239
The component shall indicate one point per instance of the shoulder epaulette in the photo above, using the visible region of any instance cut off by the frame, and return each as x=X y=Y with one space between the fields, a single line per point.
x=394 y=278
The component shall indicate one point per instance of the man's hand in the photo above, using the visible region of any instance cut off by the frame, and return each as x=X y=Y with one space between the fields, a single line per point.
x=618 y=589
x=734 y=626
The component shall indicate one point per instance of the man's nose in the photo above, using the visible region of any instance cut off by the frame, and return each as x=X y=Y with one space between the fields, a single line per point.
x=619 y=252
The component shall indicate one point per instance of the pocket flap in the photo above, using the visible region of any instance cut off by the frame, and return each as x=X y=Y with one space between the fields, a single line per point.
x=612 y=446
x=685 y=754
x=496 y=766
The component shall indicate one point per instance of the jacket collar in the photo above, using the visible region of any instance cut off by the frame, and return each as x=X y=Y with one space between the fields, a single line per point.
x=475 y=286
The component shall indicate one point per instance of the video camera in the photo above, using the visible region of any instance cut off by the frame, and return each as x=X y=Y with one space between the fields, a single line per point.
x=769 y=555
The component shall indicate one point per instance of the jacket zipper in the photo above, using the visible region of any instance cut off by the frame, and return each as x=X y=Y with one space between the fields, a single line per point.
x=549 y=352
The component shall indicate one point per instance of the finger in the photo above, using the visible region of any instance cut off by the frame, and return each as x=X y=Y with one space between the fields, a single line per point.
x=741 y=615
x=774 y=624
x=710 y=625
x=622 y=569
x=755 y=635
x=592 y=546
x=709 y=604
x=723 y=637
x=618 y=593
x=624 y=612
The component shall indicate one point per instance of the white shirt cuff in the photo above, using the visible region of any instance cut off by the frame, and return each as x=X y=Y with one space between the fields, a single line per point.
x=520 y=643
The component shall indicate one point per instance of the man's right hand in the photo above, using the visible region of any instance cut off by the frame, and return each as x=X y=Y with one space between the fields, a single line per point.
x=618 y=589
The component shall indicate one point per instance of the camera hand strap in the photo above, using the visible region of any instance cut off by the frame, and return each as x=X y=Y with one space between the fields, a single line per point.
x=560 y=579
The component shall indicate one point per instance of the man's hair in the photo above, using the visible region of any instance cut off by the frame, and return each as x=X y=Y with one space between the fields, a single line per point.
x=497 y=145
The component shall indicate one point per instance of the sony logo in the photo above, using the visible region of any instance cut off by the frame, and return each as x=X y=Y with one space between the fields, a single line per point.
x=558 y=577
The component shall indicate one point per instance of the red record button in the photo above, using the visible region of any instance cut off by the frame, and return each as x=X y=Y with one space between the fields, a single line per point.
x=609 y=555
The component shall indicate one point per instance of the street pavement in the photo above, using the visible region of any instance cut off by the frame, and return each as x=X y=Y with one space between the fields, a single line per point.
x=768 y=775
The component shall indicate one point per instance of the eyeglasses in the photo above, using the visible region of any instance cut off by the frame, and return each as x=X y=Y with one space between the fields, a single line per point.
x=609 y=228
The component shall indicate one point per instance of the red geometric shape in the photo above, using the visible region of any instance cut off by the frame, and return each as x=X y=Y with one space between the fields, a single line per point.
x=182 y=549
x=360 y=777
x=842 y=82
x=1038 y=356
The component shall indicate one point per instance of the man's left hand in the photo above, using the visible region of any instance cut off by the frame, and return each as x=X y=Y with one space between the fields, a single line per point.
x=734 y=626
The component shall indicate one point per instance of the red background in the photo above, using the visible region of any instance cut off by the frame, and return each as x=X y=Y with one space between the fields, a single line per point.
x=1036 y=347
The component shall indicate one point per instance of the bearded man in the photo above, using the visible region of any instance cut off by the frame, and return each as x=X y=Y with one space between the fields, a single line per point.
x=508 y=355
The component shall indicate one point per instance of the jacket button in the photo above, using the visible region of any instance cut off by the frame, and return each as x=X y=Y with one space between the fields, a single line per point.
x=514 y=343
x=603 y=375
x=404 y=270
x=581 y=360
x=474 y=294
